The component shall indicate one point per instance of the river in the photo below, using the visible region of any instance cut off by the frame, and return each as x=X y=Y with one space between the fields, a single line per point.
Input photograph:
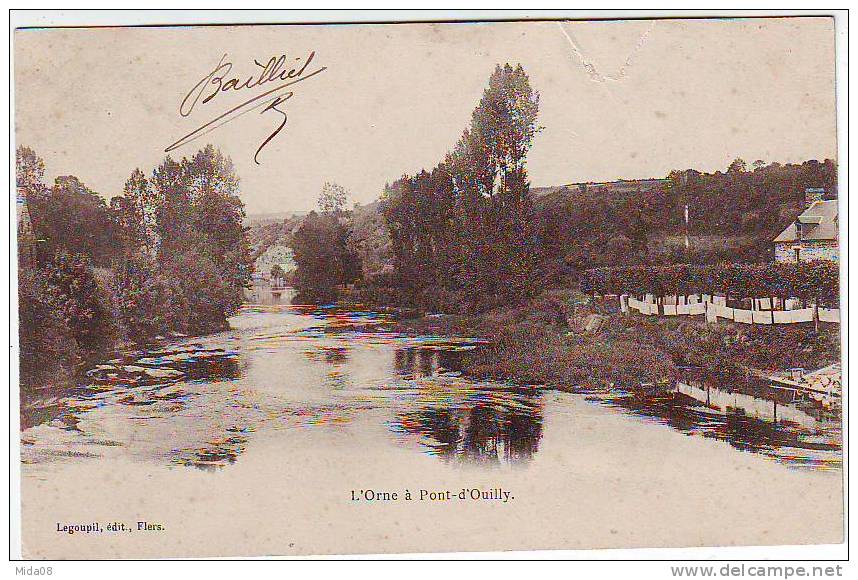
x=291 y=433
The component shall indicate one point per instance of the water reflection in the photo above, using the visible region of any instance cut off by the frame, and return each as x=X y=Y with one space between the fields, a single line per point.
x=201 y=403
x=333 y=355
x=464 y=421
x=776 y=429
x=479 y=429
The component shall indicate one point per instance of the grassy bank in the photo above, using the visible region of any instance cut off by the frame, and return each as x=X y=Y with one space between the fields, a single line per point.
x=546 y=341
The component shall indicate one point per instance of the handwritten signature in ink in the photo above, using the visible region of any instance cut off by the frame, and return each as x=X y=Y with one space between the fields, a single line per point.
x=276 y=71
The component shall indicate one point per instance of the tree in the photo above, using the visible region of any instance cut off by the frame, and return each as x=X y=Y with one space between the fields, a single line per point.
x=173 y=214
x=135 y=214
x=199 y=300
x=82 y=301
x=737 y=166
x=70 y=218
x=67 y=217
x=141 y=298
x=323 y=257
x=29 y=172
x=419 y=213
x=468 y=228
x=219 y=216
x=370 y=240
x=48 y=351
x=635 y=229
x=496 y=225
x=202 y=243
x=169 y=254
x=333 y=198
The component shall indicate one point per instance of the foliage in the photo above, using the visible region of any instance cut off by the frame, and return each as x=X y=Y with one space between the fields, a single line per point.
x=733 y=216
x=805 y=280
x=71 y=218
x=277 y=273
x=202 y=246
x=467 y=228
x=141 y=294
x=370 y=240
x=543 y=341
x=134 y=213
x=495 y=225
x=82 y=303
x=333 y=198
x=171 y=253
x=29 y=172
x=418 y=212
x=48 y=351
x=762 y=201
x=325 y=259
x=199 y=300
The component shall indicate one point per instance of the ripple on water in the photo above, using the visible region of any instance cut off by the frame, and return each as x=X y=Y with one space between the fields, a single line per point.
x=192 y=404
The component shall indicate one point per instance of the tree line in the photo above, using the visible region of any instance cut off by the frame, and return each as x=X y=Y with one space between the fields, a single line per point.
x=462 y=235
x=168 y=254
x=468 y=234
x=813 y=281
x=733 y=216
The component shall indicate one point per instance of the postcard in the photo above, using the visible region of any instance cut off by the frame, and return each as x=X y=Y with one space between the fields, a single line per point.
x=427 y=287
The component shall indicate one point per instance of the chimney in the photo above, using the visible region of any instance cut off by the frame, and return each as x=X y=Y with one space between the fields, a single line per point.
x=813 y=194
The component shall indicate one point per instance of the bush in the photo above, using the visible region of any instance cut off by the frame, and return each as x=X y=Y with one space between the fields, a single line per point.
x=141 y=295
x=199 y=299
x=48 y=350
x=82 y=302
x=806 y=280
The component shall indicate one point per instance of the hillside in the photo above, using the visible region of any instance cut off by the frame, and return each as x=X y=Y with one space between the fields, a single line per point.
x=733 y=216
x=264 y=233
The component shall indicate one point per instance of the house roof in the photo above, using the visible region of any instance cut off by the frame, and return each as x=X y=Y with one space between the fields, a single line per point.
x=819 y=222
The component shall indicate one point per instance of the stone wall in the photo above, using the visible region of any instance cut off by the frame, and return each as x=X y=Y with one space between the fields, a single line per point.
x=810 y=250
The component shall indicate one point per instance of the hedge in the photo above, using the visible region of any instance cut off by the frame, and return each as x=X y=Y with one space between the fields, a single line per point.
x=806 y=280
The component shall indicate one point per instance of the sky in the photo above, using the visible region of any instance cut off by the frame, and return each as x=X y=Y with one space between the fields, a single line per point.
x=618 y=99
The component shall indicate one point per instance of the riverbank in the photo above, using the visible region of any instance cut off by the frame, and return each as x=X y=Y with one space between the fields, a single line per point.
x=560 y=340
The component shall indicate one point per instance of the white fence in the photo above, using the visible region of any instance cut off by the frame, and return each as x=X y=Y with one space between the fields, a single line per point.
x=715 y=307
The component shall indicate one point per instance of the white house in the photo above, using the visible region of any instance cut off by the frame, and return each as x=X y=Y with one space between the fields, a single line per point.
x=813 y=235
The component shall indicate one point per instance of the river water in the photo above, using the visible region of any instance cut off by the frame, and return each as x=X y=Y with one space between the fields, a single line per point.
x=293 y=432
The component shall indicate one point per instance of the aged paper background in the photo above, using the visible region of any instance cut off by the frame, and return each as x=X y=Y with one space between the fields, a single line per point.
x=633 y=99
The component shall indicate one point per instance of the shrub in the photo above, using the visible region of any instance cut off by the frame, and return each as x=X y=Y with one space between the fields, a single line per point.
x=806 y=280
